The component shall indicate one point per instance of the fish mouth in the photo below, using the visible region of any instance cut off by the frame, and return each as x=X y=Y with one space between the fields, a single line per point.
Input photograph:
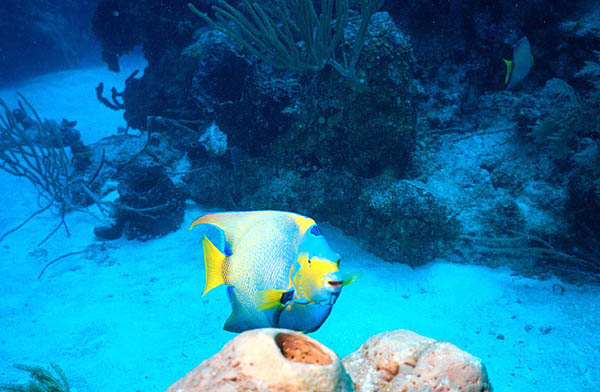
x=335 y=283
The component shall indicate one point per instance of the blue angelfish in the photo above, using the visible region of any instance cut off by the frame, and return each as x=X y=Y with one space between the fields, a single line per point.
x=519 y=67
x=280 y=270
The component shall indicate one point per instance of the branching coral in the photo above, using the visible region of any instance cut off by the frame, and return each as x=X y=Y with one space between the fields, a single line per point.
x=291 y=35
x=569 y=117
x=36 y=152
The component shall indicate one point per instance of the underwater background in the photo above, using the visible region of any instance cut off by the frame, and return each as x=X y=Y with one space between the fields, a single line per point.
x=464 y=189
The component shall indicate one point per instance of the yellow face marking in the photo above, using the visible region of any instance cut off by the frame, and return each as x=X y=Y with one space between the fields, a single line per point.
x=310 y=279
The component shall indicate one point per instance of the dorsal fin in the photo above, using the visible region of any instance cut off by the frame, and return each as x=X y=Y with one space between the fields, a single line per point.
x=229 y=222
x=233 y=223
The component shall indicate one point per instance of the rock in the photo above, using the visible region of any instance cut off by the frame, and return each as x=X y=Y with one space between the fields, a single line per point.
x=405 y=361
x=417 y=222
x=366 y=127
x=268 y=360
x=214 y=140
x=109 y=232
x=149 y=204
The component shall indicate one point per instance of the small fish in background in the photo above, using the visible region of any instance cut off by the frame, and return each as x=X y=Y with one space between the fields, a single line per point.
x=518 y=68
x=280 y=270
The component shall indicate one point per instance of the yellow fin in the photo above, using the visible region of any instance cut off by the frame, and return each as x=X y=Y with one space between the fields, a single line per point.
x=303 y=223
x=229 y=222
x=214 y=265
x=350 y=278
x=509 y=68
x=269 y=299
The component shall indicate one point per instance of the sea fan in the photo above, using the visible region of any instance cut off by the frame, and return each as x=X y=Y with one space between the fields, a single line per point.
x=591 y=71
x=558 y=126
x=41 y=380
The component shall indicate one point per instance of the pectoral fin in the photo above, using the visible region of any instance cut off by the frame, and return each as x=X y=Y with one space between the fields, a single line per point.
x=214 y=265
x=350 y=278
x=271 y=299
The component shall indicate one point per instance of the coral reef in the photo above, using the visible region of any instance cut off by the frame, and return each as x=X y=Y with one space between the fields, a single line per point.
x=149 y=205
x=417 y=224
x=365 y=128
x=295 y=144
x=418 y=151
x=268 y=360
x=120 y=25
x=214 y=140
x=271 y=33
x=254 y=104
x=411 y=222
x=282 y=360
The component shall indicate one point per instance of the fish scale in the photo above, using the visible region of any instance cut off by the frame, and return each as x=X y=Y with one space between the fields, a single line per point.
x=261 y=259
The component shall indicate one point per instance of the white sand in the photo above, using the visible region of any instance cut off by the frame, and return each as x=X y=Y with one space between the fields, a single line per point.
x=128 y=316
x=72 y=95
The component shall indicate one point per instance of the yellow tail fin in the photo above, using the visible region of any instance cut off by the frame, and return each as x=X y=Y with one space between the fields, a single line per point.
x=214 y=265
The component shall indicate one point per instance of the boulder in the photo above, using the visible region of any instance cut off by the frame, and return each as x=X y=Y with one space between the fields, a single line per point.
x=268 y=359
x=402 y=360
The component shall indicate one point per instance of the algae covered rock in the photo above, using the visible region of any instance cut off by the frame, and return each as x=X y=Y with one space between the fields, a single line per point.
x=408 y=219
x=366 y=125
x=397 y=220
x=268 y=360
x=149 y=205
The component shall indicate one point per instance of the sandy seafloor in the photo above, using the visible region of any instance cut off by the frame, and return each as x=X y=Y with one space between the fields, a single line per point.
x=129 y=316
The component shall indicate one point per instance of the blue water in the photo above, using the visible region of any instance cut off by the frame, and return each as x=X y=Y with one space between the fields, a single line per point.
x=129 y=315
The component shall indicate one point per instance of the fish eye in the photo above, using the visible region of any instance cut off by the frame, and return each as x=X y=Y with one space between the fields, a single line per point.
x=338 y=262
x=309 y=262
